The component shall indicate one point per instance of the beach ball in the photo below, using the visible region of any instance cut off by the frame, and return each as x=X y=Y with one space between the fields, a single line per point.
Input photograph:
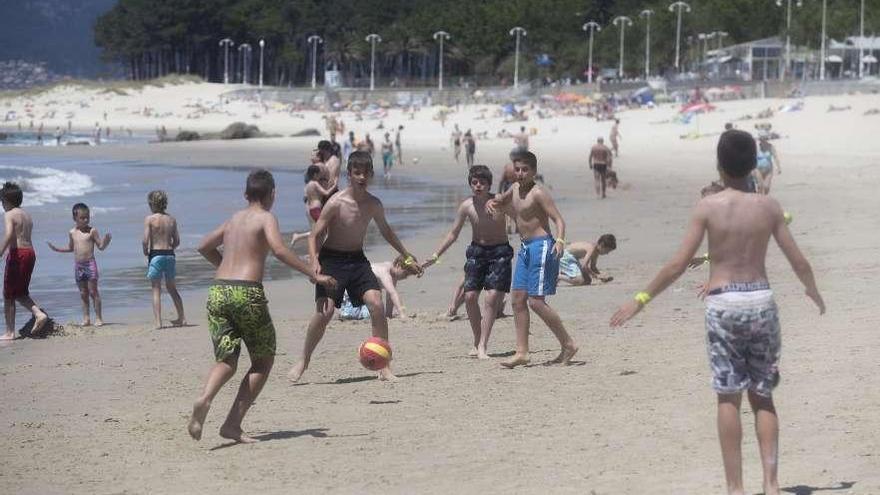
x=375 y=353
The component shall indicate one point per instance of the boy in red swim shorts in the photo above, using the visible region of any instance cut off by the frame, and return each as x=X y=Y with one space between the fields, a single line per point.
x=20 y=261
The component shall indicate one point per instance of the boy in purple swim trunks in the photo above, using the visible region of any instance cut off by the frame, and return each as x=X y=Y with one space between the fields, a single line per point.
x=537 y=264
x=742 y=322
x=488 y=258
x=82 y=240
x=160 y=240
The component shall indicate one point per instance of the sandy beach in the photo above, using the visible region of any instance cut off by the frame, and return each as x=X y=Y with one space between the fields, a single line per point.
x=105 y=410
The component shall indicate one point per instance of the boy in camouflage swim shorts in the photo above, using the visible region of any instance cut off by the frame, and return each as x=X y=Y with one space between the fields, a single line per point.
x=237 y=306
x=742 y=326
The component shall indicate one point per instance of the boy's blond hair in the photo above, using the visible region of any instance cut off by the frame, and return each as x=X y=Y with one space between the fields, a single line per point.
x=410 y=268
x=158 y=201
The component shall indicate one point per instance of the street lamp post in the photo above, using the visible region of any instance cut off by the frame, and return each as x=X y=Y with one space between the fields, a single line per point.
x=441 y=36
x=704 y=38
x=679 y=6
x=861 y=40
x=314 y=40
x=516 y=32
x=647 y=13
x=226 y=43
x=621 y=22
x=372 y=39
x=822 y=43
x=799 y=3
x=262 y=45
x=245 y=50
x=592 y=27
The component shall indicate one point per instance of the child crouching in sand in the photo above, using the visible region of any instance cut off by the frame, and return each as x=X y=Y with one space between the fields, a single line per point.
x=237 y=306
x=160 y=240
x=82 y=240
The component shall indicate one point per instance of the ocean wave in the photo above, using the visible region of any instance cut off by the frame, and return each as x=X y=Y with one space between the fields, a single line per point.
x=45 y=185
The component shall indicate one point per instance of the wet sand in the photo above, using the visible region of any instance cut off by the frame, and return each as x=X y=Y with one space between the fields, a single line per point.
x=107 y=409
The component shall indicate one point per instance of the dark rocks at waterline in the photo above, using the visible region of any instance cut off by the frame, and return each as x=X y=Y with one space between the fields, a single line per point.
x=77 y=143
x=3 y=136
x=306 y=133
x=187 y=136
x=240 y=130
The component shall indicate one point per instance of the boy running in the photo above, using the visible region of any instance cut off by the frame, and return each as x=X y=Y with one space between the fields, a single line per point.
x=742 y=322
x=19 y=262
x=82 y=240
x=488 y=258
x=237 y=305
x=578 y=263
x=344 y=220
x=537 y=264
x=160 y=240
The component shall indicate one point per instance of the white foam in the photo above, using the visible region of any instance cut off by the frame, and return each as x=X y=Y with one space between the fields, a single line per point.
x=45 y=185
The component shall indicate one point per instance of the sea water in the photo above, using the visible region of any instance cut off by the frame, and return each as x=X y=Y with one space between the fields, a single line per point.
x=200 y=198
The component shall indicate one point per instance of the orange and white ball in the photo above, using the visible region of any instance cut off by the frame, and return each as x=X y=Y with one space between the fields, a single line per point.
x=375 y=353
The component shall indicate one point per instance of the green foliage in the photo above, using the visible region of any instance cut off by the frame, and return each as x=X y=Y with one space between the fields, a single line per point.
x=156 y=37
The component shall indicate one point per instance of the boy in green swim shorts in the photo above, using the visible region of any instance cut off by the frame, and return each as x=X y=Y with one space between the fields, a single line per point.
x=237 y=306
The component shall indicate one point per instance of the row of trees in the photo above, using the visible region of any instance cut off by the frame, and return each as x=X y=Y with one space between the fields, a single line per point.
x=157 y=37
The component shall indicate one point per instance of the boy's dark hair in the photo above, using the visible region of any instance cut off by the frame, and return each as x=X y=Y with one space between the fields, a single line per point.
x=11 y=193
x=609 y=241
x=737 y=153
x=361 y=159
x=79 y=207
x=325 y=146
x=528 y=158
x=481 y=172
x=158 y=201
x=260 y=185
x=515 y=154
x=313 y=173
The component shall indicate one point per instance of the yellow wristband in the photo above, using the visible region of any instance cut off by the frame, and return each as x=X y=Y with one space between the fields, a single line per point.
x=409 y=260
x=643 y=298
x=435 y=258
x=561 y=240
x=706 y=257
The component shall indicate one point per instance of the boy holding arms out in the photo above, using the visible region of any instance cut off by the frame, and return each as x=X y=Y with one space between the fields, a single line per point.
x=19 y=262
x=742 y=324
x=237 y=306
x=82 y=240
x=488 y=258
x=537 y=264
x=344 y=220
x=160 y=240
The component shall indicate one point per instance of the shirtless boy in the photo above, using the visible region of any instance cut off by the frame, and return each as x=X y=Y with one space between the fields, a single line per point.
x=537 y=264
x=237 y=306
x=160 y=240
x=388 y=273
x=615 y=135
x=600 y=162
x=488 y=258
x=344 y=220
x=82 y=240
x=330 y=160
x=742 y=319
x=19 y=262
x=578 y=263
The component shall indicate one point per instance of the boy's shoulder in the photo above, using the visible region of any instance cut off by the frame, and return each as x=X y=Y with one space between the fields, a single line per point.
x=730 y=198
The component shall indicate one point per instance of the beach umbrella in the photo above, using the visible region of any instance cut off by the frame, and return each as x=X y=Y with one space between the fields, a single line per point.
x=697 y=108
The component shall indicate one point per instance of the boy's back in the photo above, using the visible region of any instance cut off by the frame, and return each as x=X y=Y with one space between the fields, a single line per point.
x=244 y=245
x=739 y=227
x=163 y=229
x=22 y=225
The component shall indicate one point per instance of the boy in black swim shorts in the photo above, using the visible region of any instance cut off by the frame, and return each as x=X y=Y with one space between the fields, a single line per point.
x=344 y=220
x=488 y=258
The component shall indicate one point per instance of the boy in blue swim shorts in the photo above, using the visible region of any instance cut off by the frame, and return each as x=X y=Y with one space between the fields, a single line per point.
x=160 y=240
x=742 y=322
x=537 y=264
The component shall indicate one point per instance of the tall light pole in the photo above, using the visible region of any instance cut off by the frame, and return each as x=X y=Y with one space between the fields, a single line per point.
x=799 y=3
x=861 y=40
x=372 y=39
x=314 y=40
x=226 y=43
x=703 y=37
x=822 y=43
x=647 y=13
x=679 y=6
x=245 y=50
x=621 y=22
x=262 y=45
x=592 y=27
x=441 y=36
x=516 y=32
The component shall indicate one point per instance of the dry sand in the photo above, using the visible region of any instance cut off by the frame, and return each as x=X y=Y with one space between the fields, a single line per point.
x=105 y=410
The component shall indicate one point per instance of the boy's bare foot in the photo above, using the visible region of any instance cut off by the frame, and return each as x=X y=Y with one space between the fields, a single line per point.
x=39 y=323
x=772 y=490
x=385 y=374
x=473 y=352
x=235 y=433
x=99 y=322
x=565 y=354
x=516 y=360
x=200 y=412
x=180 y=322
x=157 y=325
x=7 y=336
x=297 y=371
x=86 y=323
